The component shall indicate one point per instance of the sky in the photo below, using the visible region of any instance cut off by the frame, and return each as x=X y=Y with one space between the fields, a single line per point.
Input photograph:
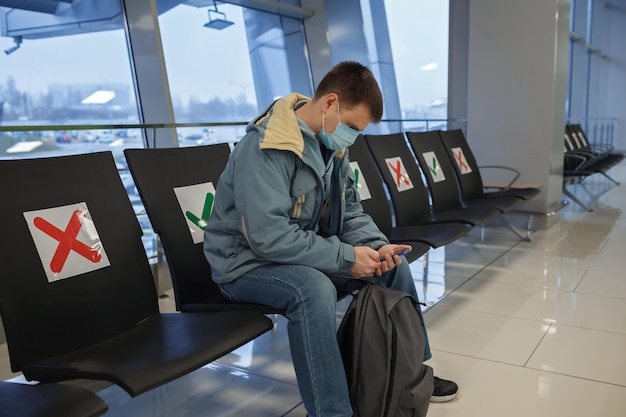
x=205 y=63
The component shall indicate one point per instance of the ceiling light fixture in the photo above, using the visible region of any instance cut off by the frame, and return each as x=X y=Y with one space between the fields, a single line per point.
x=217 y=19
x=18 y=41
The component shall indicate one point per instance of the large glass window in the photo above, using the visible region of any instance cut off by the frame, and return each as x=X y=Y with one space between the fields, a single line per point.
x=68 y=64
x=65 y=65
x=226 y=63
x=418 y=32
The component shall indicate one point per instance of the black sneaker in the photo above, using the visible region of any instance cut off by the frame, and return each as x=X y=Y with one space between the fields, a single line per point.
x=444 y=391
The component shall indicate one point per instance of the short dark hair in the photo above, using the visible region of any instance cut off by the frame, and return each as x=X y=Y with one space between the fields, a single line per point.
x=354 y=84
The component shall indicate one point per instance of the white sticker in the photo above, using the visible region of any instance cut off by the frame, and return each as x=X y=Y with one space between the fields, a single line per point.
x=67 y=241
x=399 y=174
x=436 y=173
x=196 y=204
x=359 y=180
x=460 y=160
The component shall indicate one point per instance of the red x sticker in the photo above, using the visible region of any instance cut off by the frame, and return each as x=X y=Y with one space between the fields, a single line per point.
x=401 y=177
x=67 y=241
x=461 y=161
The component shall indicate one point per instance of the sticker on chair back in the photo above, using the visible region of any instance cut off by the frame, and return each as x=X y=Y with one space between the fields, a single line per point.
x=67 y=241
x=434 y=169
x=359 y=181
x=399 y=174
x=460 y=160
x=196 y=203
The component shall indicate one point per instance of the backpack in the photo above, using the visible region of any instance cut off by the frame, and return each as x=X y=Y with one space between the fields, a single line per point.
x=381 y=339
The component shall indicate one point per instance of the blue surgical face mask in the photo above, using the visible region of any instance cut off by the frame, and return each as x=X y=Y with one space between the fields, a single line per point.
x=341 y=138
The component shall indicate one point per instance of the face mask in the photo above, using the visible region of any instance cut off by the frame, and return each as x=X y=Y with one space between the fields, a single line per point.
x=341 y=138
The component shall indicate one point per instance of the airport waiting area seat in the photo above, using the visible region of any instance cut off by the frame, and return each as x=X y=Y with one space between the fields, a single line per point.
x=376 y=204
x=599 y=158
x=48 y=400
x=177 y=188
x=581 y=160
x=444 y=186
x=468 y=172
x=77 y=295
x=409 y=194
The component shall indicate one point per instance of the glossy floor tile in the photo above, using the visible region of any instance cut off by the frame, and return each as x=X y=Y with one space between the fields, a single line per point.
x=494 y=389
x=527 y=329
x=583 y=353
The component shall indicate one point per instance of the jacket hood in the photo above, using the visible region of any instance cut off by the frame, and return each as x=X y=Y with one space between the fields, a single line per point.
x=279 y=126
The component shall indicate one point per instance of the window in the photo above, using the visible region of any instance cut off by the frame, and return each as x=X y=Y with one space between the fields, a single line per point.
x=221 y=72
x=418 y=31
x=67 y=65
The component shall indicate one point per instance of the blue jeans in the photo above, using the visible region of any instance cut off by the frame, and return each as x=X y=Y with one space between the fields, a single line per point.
x=309 y=297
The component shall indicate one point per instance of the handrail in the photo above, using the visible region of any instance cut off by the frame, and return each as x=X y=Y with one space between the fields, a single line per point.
x=36 y=128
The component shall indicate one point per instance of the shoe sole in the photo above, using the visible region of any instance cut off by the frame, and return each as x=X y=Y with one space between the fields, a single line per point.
x=443 y=398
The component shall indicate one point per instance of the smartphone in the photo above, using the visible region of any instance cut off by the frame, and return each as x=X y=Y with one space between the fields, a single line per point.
x=404 y=252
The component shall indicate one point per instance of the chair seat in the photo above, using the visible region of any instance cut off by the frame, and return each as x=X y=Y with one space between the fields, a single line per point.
x=49 y=400
x=435 y=235
x=503 y=204
x=473 y=217
x=143 y=358
x=523 y=193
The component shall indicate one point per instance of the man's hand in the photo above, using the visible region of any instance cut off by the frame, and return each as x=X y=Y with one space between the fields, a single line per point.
x=387 y=253
x=366 y=262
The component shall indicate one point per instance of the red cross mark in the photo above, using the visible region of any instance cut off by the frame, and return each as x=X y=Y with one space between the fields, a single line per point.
x=459 y=160
x=67 y=241
x=397 y=170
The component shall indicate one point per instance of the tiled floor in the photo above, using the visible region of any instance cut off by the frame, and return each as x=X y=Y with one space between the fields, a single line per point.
x=526 y=328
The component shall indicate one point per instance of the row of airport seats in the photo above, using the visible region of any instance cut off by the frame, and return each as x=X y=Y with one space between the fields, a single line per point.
x=177 y=187
x=77 y=295
x=582 y=159
x=453 y=194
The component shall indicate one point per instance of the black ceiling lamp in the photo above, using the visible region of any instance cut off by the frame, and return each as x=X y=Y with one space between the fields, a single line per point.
x=217 y=19
x=18 y=41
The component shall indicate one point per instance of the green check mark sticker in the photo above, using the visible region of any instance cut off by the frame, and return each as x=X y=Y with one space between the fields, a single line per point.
x=201 y=222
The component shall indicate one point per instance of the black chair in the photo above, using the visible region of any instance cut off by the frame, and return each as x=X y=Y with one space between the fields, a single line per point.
x=48 y=400
x=468 y=174
x=443 y=184
x=159 y=174
x=599 y=159
x=77 y=296
x=376 y=205
x=410 y=197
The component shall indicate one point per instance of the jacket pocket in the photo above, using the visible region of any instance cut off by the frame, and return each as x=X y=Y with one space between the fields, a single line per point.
x=303 y=193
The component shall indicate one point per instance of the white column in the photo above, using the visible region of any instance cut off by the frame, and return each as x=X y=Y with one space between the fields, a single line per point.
x=517 y=80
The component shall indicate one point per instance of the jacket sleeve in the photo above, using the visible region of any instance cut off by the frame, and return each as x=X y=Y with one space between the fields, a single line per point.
x=358 y=227
x=263 y=203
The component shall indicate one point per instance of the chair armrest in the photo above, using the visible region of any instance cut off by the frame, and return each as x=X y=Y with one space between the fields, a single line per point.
x=506 y=168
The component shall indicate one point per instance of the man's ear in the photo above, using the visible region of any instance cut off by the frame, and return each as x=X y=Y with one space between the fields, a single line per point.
x=329 y=100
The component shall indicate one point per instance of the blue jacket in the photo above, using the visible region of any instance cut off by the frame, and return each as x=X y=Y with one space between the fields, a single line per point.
x=278 y=201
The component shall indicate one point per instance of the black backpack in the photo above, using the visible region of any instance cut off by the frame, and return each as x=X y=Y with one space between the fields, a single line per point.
x=381 y=339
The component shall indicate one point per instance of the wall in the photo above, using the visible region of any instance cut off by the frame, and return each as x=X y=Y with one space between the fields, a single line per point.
x=517 y=81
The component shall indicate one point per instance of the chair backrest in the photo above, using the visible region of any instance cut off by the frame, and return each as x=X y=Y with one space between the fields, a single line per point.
x=575 y=138
x=73 y=270
x=402 y=176
x=177 y=186
x=370 y=185
x=465 y=165
x=437 y=168
x=577 y=130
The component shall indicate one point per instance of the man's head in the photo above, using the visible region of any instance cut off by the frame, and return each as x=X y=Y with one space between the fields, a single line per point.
x=345 y=102
x=354 y=85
